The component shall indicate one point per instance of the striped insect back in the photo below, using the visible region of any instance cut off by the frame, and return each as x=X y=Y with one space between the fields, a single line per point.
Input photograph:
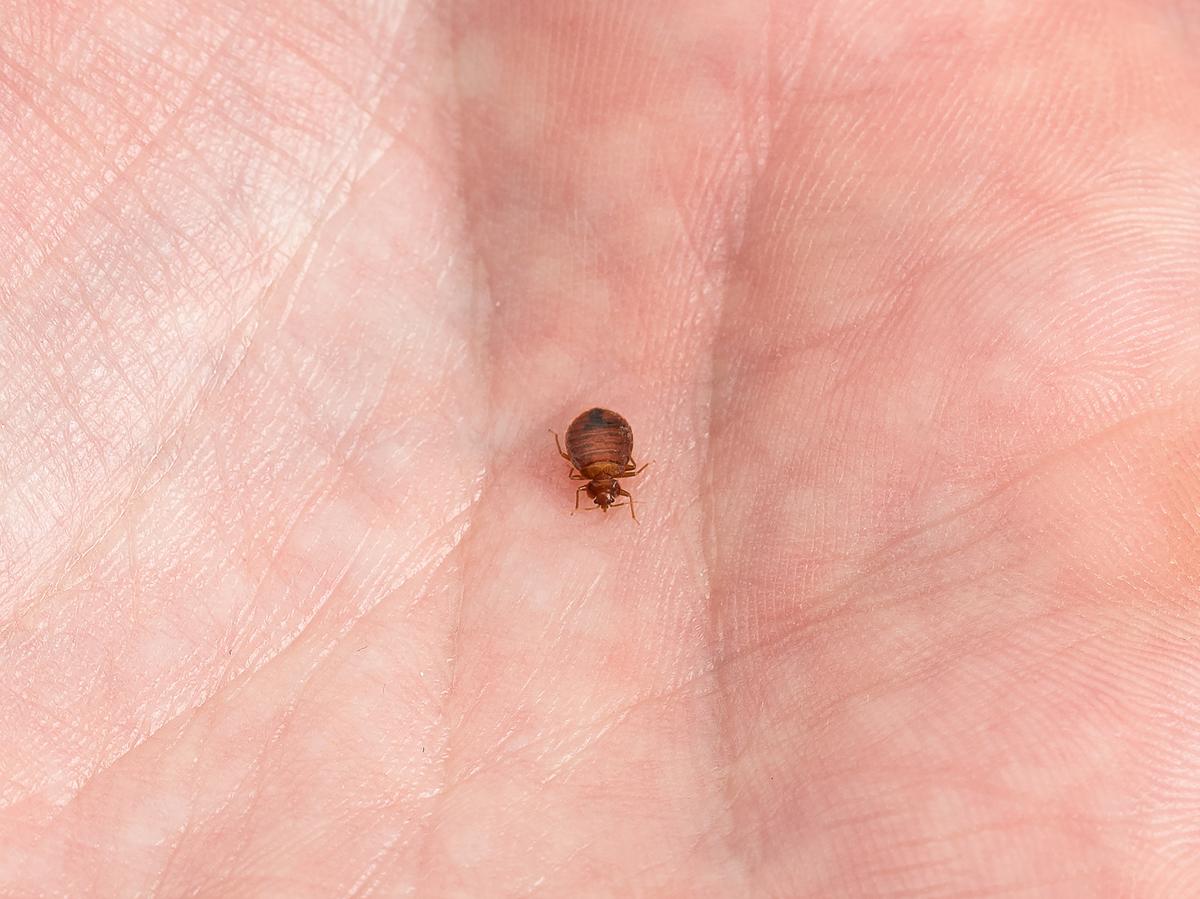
x=599 y=436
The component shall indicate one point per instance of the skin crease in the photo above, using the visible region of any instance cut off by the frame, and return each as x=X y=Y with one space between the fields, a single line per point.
x=901 y=299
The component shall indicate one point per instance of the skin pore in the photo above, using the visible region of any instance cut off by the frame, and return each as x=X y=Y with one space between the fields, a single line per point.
x=902 y=298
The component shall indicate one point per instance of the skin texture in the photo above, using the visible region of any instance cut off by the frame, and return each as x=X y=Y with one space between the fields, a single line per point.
x=902 y=296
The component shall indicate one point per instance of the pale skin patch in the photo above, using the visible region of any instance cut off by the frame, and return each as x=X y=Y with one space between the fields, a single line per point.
x=477 y=66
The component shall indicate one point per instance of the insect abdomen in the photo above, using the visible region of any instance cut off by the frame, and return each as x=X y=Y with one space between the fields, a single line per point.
x=599 y=435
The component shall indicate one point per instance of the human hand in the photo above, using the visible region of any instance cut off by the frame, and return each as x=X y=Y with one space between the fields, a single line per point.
x=901 y=299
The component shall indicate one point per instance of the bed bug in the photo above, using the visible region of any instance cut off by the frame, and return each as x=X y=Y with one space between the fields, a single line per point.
x=600 y=450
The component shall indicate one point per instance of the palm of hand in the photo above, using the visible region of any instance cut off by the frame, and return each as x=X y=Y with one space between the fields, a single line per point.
x=292 y=601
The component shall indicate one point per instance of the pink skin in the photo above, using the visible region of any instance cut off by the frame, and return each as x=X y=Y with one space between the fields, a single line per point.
x=902 y=298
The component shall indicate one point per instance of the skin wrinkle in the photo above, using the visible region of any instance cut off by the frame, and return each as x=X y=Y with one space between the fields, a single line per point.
x=709 y=539
x=257 y=771
x=881 y=558
x=484 y=317
x=765 y=125
x=249 y=322
x=825 y=600
x=199 y=399
x=243 y=335
x=722 y=694
x=196 y=91
x=171 y=123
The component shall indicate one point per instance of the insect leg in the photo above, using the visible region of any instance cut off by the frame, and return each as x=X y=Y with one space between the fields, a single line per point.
x=582 y=487
x=629 y=472
x=559 y=445
x=621 y=491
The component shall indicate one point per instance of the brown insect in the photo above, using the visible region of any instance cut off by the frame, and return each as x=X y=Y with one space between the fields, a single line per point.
x=600 y=450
